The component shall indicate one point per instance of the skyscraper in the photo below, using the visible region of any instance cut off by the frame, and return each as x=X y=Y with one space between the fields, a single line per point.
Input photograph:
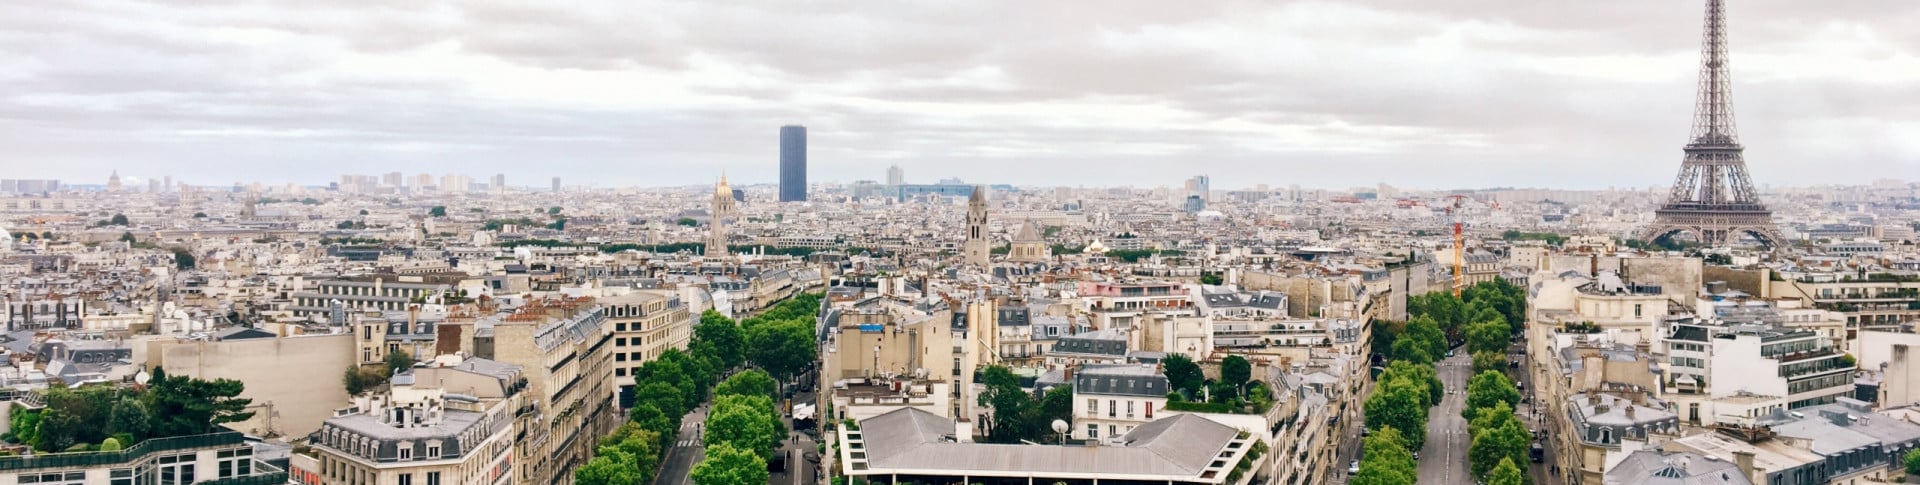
x=556 y=185
x=392 y=179
x=895 y=176
x=498 y=184
x=793 y=163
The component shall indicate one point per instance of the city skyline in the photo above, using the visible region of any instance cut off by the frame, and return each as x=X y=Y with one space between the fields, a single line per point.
x=1444 y=94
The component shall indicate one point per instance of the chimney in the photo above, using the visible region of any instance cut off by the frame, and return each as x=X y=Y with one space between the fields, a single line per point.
x=1593 y=399
x=1630 y=412
x=413 y=316
x=1745 y=460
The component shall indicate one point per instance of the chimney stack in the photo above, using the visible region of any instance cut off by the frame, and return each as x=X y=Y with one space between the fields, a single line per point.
x=1630 y=412
x=1745 y=460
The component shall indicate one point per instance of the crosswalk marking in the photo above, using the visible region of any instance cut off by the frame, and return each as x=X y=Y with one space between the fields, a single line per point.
x=686 y=443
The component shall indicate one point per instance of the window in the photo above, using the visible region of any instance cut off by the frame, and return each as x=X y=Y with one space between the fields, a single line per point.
x=1113 y=409
x=1636 y=310
x=433 y=452
x=1093 y=431
x=1093 y=407
x=620 y=327
x=433 y=478
x=406 y=479
x=1129 y=408
x=235 y=463
x=406 y=451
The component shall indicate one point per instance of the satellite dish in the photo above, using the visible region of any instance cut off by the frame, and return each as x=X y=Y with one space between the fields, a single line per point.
x=142 y=378
x=1060 y=426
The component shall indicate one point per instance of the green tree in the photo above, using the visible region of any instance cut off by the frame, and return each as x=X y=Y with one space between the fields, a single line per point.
x=1210 y=279
x=352 y=380
x=1418 y=374
x=726 y=465
x=751 y=382
x=25 y=425
x=110 y=444
x=1387 y=459
x=1056 y=404
x=399 y=361
x=1489 y=361
x=183 y=405
x=1487 y=388
x=649 y=417
x=745 y=422
x=1011 y=405
x=1913 y=462
x=1236 y=371
x=1488 y=336
x=1411 y=351
x=129 y=420
x=607 y=470
x=58 y=431
x=1399 y=403
x=127 y=237
x=669 y=400
x=1506 y=473
x=725 y=335
x=1183 y=374
x=1428 y=332
x=687 y=221
x=119 y=220
x=182 y=258
x=1490 y=446
x=783 y=349
x=437 y=211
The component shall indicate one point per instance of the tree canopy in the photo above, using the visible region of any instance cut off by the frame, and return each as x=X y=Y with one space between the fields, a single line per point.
x=726 y=465
x=1183 y=374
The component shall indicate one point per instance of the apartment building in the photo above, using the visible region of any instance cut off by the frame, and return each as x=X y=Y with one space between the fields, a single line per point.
x=378 y=294
x=645 y=324
x=451 y=425
x=1112 y=400
x=564 y=349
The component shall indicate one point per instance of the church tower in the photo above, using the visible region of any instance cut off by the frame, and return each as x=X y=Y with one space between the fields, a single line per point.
x=977 y=248
x=723 y=208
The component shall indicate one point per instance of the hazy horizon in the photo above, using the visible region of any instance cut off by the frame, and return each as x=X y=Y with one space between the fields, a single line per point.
x=1428 y=95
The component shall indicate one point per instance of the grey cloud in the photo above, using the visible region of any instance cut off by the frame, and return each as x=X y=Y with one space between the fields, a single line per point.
x=1414 y=93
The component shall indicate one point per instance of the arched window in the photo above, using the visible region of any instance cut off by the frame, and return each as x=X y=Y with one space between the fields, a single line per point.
x=1606 y=434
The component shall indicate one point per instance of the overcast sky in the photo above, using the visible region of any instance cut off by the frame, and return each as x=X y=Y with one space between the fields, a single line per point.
x=1413 y=93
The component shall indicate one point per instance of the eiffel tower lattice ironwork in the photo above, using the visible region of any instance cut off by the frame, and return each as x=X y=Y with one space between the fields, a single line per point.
x=1712 y=197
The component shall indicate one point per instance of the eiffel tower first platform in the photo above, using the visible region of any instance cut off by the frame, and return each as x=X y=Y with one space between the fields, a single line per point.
x=1712 y=197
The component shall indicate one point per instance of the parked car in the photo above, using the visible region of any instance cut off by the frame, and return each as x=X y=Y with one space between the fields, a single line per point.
x=1354 y=467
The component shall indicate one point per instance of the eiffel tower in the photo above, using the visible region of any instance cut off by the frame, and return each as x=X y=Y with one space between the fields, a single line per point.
x=1712 y=197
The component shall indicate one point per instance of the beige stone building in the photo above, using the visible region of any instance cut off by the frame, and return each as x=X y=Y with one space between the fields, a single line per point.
x=563 y=346
x=883 y=350
x=442 y=425
x=645 y=324
x=276 y=371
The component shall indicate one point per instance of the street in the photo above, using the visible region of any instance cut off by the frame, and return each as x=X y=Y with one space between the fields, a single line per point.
x=1444 y=458
x=686 y=450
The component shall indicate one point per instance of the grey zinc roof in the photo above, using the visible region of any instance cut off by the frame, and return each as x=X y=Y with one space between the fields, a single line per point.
x=1651 y=467
x=1177 y=447
x=1121 y=380
x=1100 y=342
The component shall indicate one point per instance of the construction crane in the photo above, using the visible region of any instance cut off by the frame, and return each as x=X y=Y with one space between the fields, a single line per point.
x=1454 y=208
